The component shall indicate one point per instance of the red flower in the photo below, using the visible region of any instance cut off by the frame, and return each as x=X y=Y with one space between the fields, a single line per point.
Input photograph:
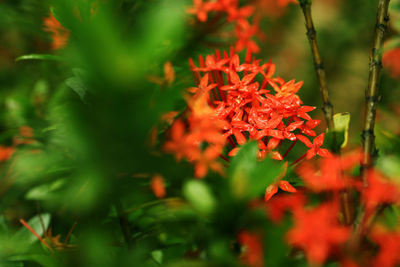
x=157 y=186
x=237 y=15
x=286 y=89
x=391 y=61
x=284 y=185
x=315 y=146
x=330 y=174
x=317 y=232
x=277 y=206
x=6 y=153
x=253 y=249
x=59 y=34
x=389 y=244
x=379 y=191
x=200 y=141
x=273 y=189
x=203 y=88
x=201 y=9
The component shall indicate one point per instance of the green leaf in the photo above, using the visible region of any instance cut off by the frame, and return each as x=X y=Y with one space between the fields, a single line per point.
x=342 y=122
x=77 y=83
x=25 y=236
x=248 y=176
x=3 y=225
x=45 y=191
x=42 y=259
x=39 y=57
x=199 y=195
x=157 y=256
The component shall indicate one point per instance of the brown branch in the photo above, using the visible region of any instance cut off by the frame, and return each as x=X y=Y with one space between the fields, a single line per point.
x=327 y=107
x=371 y=99
x=371 y=93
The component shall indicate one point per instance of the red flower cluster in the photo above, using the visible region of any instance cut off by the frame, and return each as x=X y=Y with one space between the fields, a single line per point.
x=235 y=102
x=238 y=16
x=256 y=105
x=199 y=138
x=318 y=230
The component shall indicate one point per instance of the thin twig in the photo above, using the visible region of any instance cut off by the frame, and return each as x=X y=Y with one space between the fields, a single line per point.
x=124 y=223
x=371 y=93
x=24 y=223
x=327 y=107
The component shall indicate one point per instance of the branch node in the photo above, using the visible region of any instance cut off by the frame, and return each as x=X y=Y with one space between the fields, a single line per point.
x=382 y=27
x=367 y=133
x=311 y=33
x=319 y=66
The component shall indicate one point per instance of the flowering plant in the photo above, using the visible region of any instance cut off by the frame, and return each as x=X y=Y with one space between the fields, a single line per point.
x=199 y=133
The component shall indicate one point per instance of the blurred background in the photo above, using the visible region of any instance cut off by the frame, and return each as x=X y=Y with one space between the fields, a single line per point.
x=77 y=115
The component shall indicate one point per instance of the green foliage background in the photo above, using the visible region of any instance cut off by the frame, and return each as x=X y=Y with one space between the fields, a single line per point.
x=92 y=109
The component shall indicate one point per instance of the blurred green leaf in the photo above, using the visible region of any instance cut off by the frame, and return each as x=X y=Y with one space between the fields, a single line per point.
x=391 y=215
x=250 y=177
x=3 y=225
x=42 y=259
x=45 y=191
x=157 y=255
x=199 y=195
x=39 y=57
x=77 y=83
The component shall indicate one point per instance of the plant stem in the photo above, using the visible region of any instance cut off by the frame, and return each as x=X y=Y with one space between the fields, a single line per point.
x=327 y=107
x=124 y=223
x=371 y=99
x=371 y=93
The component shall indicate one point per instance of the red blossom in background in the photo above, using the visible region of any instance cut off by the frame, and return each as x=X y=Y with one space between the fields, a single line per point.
x=236 y=15
x=199 y=139
x=6 y=153
x=59 y=34
x=253 y=254
x=278 y=205
x=157 y=186
x=274 y=8
x=379 y=191
x=318 y=232
x=391 y=61
x=239 y=17
x=389 y=247
x=331 y=174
